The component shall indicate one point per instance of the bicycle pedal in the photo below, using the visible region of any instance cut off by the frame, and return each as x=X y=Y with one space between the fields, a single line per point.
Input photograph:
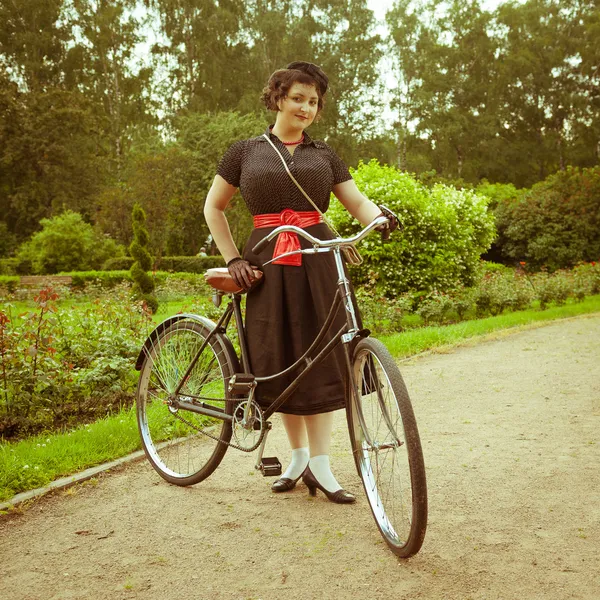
x=270 y=466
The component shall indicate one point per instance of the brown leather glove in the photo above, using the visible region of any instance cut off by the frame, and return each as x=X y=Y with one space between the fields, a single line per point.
x=241 y=272
x=392 y=224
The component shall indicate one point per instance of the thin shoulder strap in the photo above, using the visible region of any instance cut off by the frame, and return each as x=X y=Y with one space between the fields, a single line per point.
x=290 y=174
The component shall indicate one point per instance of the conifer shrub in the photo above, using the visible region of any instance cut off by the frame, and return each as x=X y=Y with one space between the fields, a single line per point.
x=143 y=284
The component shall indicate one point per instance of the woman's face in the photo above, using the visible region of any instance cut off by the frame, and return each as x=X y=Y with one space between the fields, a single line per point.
x=300 y=107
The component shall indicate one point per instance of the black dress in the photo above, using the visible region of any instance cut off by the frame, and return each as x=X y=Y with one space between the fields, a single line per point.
x=285 y=313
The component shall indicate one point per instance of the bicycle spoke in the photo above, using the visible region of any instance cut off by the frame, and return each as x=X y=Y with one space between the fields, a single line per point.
x=172 y=436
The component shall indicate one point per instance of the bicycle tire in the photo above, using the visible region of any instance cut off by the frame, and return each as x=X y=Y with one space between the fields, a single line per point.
x=180 y=453
x=387 y=448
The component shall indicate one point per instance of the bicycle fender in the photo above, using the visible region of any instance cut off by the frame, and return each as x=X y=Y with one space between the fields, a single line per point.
x=167 y=323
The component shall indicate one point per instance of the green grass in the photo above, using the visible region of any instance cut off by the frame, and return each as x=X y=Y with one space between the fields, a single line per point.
x=36 y=461
x=415 y=341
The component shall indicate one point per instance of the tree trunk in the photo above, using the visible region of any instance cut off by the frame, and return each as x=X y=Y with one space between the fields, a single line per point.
x=459 y=160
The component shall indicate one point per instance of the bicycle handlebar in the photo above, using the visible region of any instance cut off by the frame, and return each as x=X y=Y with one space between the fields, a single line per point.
x=381 y=220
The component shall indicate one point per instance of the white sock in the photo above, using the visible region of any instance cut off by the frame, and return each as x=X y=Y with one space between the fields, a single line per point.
x=319 y=465
x=299 y=462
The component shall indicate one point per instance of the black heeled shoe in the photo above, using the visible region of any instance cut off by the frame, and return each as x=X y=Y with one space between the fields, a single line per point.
x=340 y=496
x=284 y=484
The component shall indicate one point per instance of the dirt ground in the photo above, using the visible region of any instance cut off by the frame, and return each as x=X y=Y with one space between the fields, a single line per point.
x=511 y=436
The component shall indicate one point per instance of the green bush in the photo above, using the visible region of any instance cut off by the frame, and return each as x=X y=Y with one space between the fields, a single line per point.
x=382 y=315
x=434 y=307
x=502 y=289
x=446 y=230
x=102 y=279
x=556 y=224
x=176 y=264
x=66 y=243
x=498 y=192
x=8 y=284
x=586 y=278
x=8 y=266
x=143 y=284
x=555 y=287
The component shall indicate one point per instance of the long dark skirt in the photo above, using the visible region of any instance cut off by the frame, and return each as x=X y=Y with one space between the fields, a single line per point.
x=284 y=315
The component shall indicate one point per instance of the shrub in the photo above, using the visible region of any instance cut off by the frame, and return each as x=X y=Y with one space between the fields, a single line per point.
x=143 y=284
x=501 y=290
x=434 y=307
x=8 y=284
x=177 y=264
x=555 y=287
x=61 y=366
x=462 y=301
x=380 y=314
x=8 y=266
x=445 y=232
x=556 y=224
x=498 y=192
x=65 y=243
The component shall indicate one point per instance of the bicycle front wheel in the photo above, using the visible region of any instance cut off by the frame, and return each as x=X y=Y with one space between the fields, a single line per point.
x=185 y=447
x=387 y=449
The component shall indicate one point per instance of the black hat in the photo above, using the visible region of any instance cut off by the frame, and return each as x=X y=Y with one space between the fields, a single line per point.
x=314 y=71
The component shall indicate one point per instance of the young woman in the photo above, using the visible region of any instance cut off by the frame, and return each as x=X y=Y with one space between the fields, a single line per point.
x=284 y=314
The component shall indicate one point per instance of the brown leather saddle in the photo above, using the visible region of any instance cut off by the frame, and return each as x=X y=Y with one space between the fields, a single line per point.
x=220 y=279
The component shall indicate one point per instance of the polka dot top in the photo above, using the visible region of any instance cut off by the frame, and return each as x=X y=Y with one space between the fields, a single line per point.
x=255 y=168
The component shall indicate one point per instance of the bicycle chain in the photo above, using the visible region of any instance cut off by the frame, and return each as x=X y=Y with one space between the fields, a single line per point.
x=263 y=431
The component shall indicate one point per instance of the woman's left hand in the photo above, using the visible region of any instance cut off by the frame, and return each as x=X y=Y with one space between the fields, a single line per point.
x=392 y=224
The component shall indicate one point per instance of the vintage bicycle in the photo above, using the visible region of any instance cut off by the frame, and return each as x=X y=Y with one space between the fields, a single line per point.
x=196 y=398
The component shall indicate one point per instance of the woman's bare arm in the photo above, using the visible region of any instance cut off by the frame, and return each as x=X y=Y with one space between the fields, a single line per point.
x=356 y=203
x=219 y=196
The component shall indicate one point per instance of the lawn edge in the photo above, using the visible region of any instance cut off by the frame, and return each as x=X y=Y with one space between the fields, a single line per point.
x=66 y=482
x=491 y=336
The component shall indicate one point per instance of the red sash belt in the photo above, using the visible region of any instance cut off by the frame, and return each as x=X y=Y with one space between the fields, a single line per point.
x=288 y=242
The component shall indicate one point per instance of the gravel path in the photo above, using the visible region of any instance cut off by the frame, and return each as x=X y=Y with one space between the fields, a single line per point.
x=511 y=435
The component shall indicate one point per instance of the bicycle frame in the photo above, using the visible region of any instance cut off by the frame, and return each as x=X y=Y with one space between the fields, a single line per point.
x=345 y=334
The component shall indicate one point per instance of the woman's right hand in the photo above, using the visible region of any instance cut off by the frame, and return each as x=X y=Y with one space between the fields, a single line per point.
x=241 y=272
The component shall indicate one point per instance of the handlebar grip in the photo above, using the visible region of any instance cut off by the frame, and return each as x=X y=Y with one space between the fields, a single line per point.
x=260 y=246
x=385 y=235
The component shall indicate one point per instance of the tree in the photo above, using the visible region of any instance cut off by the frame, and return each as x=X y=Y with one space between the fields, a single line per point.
x=102 y=64
x=51 y=156
x=171 y=182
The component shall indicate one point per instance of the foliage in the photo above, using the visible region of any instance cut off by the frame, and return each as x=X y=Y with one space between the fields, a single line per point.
x=382 y=315
x=171 y=182
x=67 y=243
x=552 y=288
x=556 y=224
x=60 y=365
x=8 y=266
x=502 y=94
x=497 y=192
x=502 y=290
x=434 y=307
x=143 y=284
x=445 y=231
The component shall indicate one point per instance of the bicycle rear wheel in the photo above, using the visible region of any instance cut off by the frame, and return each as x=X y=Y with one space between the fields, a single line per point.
x=387 y=449
x=175 y=440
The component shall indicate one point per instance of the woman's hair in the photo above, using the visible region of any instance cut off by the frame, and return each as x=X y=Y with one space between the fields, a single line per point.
x=281 y=81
